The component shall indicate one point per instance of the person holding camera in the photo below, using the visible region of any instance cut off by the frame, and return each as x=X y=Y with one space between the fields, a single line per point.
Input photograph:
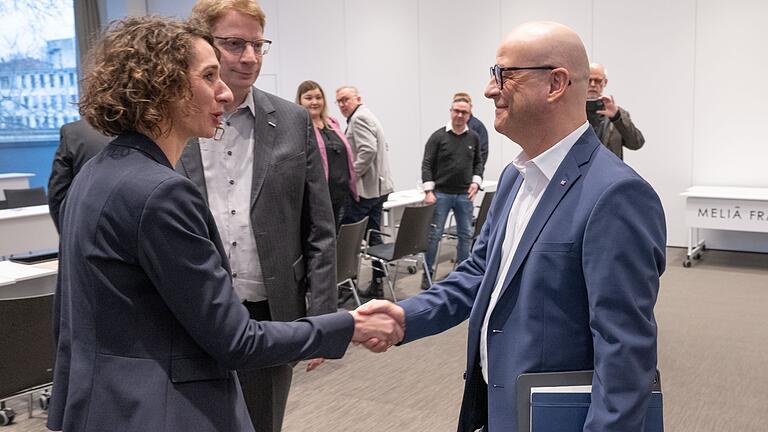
x=611 y=123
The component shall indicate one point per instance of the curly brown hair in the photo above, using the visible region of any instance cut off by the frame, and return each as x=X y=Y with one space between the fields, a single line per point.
x=137 y=73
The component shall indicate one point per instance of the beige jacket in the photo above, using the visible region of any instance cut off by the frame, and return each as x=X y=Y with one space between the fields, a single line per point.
x=366 y=137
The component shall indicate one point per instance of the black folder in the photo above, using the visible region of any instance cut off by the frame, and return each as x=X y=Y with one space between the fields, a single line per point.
x=565 y=411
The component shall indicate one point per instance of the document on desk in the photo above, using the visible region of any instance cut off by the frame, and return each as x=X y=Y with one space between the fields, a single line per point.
x=20 y=272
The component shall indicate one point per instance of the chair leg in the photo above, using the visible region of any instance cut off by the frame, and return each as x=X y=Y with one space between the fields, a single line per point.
x=389 y=282
x=397 y=273
x=426 y=269
x=353 y=287
x=437 y=257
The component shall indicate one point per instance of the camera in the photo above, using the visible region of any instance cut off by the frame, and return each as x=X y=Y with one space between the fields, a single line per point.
x=595 y=105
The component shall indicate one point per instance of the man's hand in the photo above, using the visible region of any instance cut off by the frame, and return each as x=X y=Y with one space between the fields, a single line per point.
x=382 y=307
x=376 y=330
x=610 y=109
x=312 y=364
x=429 y=197
x=472 y=191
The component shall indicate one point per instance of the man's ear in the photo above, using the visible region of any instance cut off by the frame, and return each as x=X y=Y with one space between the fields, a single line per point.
x=559 y=82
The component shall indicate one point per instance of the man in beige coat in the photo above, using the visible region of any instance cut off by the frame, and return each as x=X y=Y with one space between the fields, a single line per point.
x=374 y=182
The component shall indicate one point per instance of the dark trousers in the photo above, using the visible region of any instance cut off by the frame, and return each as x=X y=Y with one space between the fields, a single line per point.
x=265 y=390
x=371 y=207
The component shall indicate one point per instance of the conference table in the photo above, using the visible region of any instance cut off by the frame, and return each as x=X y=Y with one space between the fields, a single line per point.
x=398 y=200
x=722 y=208
x=26 y=230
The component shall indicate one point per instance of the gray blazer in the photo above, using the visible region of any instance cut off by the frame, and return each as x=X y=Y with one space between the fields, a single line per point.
x=291 y=214
x=366 y=137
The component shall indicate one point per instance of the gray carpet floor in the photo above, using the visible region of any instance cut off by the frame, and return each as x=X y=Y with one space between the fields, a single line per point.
x=713 y=356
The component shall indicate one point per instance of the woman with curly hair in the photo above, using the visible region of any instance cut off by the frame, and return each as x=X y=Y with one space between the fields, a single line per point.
x=147 y=325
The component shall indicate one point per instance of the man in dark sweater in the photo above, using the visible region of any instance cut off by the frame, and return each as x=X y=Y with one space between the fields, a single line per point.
x=452 y=171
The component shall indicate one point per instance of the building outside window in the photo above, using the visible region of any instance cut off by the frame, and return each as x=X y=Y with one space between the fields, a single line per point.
x=37 y=43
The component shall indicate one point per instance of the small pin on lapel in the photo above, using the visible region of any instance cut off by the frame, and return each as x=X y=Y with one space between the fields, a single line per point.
x=563 y=182
x=272 y=124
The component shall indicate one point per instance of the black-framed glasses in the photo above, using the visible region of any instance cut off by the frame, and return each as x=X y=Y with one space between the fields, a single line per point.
x=460 y=112
x=235 y=45
x=497 y=71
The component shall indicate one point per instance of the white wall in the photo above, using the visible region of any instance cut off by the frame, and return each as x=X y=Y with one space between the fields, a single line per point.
x=688 y=71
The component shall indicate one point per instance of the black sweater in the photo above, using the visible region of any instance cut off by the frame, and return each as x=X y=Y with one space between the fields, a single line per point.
x=451 y=160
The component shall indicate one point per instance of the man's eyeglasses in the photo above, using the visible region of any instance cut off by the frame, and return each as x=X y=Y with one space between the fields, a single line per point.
x=235 y=45
x=343 y=101
x=498 y=71
x=459 y=112
x=596 y=81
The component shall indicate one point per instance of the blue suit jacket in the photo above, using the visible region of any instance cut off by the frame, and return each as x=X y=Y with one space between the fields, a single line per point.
x=579 y=294
x=148 y=327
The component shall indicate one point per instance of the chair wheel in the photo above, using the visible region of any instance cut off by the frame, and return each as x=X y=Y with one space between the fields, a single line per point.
x=412 y=269
x=44 y=401
x=697 y=256
x=686 y=263
x=6 y=416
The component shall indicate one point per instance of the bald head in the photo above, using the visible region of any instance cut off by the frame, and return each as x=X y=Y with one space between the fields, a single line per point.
x=553 y=44
x=540 y=105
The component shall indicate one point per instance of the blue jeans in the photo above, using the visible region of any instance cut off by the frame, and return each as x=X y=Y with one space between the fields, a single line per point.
x=462 y=212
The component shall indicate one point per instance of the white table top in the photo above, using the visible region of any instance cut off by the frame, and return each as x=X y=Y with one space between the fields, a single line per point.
x=415 y=196
x=21 y=212
x=21 y=272
x=726 y=192
x=4 y=176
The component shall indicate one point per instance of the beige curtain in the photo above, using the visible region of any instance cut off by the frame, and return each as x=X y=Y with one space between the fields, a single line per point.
x=87 y=26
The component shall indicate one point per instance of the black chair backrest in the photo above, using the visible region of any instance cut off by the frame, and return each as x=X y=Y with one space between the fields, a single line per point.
x=483 y=213
x=28 y=347
x=413 y=234
x=25 y=197
x=348 y=243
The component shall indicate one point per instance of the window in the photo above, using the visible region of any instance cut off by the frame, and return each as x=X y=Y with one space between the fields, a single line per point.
x=35 y=50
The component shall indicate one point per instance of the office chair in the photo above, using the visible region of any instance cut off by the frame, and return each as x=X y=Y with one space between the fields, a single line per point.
x=349 y=244
x=452 y=233
x=25 y=197
x=412 y=239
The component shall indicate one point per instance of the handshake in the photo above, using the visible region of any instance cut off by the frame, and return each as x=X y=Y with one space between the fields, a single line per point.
x=379 y=324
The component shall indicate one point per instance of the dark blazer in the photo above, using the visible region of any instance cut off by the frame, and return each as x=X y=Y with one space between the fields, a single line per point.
x=148 y=326
x=579 y=293
x=78 y=143
x=291 y=214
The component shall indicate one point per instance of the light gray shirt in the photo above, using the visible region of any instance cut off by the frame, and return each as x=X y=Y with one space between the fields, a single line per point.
x=228 y=166
x=537 y=173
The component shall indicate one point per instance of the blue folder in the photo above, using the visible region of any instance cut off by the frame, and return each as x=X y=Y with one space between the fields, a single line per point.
x=566 y=411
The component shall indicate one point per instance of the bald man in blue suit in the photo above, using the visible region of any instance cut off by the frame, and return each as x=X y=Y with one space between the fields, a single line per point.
x=565 y=273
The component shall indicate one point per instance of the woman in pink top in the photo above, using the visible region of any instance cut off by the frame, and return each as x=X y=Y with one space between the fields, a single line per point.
x=337 y=155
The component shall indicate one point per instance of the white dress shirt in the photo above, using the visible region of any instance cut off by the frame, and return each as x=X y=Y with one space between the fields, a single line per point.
x=536 y=173
x=228 y=166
